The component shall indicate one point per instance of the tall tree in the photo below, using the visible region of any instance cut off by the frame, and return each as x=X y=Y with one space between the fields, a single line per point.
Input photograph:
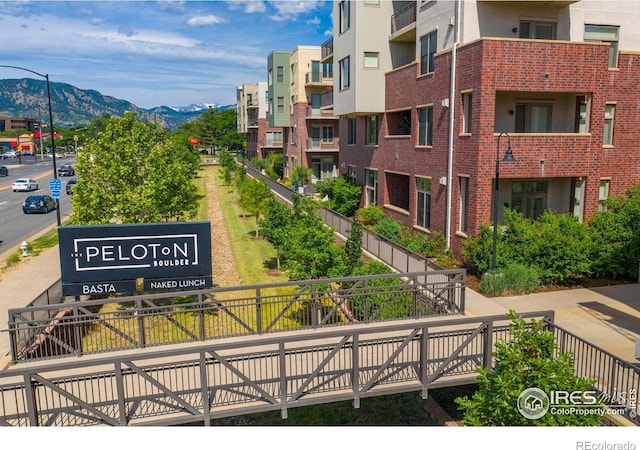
x=254 y=193
x=132 y=172
x=276 y=226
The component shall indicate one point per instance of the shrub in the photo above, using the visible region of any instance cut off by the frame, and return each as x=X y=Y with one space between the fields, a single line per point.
x=428 y=245
x=344 y=195
x=389 y=228
x=371 y=215
x=515 y=279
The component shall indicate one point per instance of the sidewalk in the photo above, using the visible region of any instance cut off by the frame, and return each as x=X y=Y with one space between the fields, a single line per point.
x=607 y=316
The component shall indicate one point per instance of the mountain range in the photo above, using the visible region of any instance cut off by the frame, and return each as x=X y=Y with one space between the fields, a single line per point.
x=74 y=107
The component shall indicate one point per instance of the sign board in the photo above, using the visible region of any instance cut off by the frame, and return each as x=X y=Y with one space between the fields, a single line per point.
x=109 y=258
x=55 y=184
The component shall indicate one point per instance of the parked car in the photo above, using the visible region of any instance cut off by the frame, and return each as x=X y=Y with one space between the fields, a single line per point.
x=4 y=172
x=24 y=184
x=66 y=170
x=39 y=204
x=3 y=156
x=70 y=184
x=11 y=154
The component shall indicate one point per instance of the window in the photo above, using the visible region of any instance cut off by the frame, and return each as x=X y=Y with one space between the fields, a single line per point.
x=351 y=131
x=533 y=117
x=351 y=174
x=609 y=112
x=399 y=123
x=322 y=168
x=464 y=204
x=280 y=74
x=604 y=33
x=578 y=198
x=529 y=197
x=344 y=73
x=370 y=60
x=425 y=126
x=531 y=29
x=581 y=124
x=345 y=16
x=603 y=194
x=372 y=130
x=273 y=137
x=320 y=135
x=423 y=214
x=467 y=98
x=270 y=76
x=372 y=187
x=280 y=105
x=428 y=45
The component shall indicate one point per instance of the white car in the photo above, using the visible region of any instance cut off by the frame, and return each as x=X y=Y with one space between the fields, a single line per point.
x=11 y=154
x=24 y=184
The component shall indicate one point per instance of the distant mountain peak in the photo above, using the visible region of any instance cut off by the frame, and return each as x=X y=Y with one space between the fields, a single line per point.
x=73 y=106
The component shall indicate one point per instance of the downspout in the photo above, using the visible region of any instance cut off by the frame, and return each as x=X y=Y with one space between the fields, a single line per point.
x=456 y=24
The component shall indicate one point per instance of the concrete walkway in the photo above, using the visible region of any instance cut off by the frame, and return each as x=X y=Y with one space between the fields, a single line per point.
x=608 y=316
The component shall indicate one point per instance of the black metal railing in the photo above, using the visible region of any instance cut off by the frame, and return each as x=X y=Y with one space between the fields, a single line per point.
x=405 y=16
x=326 y=48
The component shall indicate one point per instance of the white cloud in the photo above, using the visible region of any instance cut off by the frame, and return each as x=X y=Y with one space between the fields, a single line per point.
x=172 y=5
x=199 y=21
x=314 y=21
x=248 y=6
x=293 y=8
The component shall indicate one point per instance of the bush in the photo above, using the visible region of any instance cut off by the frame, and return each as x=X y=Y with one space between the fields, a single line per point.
x=428 y=245
x=344 y=195
x=514 y=279
x=389 y=228
x=371 y=215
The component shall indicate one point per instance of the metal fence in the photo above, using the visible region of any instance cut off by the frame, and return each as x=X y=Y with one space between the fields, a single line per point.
x=188 y=384
x=617 y=381
x=94 y=326
x=391 y=253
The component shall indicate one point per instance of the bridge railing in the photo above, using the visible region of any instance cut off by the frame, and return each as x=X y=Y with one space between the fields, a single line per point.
x=198 y=383
x=122 y=323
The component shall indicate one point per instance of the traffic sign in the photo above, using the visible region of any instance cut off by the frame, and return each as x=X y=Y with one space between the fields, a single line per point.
x=55 y=184
x=56 y=187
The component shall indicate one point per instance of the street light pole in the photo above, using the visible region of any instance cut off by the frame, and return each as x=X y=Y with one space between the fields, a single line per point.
x=53 y=144
x=508 y=157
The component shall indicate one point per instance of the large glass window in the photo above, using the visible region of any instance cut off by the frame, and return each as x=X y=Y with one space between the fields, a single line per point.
x=603 y=194
x=464 y=204
x=531 y=29
x=345 y=15
x=467 y=98
x=351 y=131
x=428 y=46
x=609 y=112
x=280 y=74
x=345 y=80
x=533 y=117
x=351 y=174
x=322 y=168
x=372 y=130
x=423 y=214
x=529 y=197
x=372 y=187
x=274 y=137
x=425 y=126
x=280 y=105
x=604 y=33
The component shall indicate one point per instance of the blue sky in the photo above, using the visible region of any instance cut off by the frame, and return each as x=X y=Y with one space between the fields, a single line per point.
x=155 y=53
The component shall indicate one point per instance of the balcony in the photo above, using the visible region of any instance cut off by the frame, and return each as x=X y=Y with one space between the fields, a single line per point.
x=252 y=123
x=326 y=99
x=318 y=78
x=403 y=24
x=319 y=113
x=319 y=145
x=252 y=103
x=327 y=50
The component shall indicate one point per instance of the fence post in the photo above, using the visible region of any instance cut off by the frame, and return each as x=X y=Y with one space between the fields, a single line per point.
x=488 y=345
x=77 y=336
x=201 y=307
x=140 y=316
x=259 y=310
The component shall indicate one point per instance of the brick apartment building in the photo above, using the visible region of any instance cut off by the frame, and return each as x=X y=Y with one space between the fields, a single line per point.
x=251 y=99
x=428 y=107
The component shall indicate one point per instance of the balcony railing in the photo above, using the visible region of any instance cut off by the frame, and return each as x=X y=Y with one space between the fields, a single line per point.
x=406 y=16
x=319 y=77
x=318 y=113
x=327 y=48
x=326 y=98
x=252 y=122
x=321 y=145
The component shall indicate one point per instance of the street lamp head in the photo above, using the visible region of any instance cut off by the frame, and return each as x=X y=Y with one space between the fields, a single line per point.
x=508 y=156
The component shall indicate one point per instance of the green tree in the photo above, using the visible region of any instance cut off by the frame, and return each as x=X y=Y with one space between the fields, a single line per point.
x=276 y=226
x=215 y=128
x=134 y=173
x=254 y=193
x=344 y=195
x=353 y=248
x=228 y=165
x=526 y=360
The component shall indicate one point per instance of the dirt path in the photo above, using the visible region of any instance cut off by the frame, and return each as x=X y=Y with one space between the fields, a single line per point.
x=224 y=267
